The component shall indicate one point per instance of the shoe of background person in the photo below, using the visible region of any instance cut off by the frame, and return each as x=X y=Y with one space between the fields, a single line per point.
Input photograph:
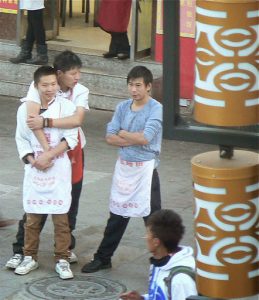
x=109 y=55
x=63 y=269
x=95 y=265
x=123 y=55
x=6 y=222
x=14 y=261
x=27 y=265
x=72 y=258
x=25 y=53
x=42 y=56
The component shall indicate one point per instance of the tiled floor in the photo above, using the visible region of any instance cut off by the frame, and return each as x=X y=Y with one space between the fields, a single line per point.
x=78 y=34
x=81 y=36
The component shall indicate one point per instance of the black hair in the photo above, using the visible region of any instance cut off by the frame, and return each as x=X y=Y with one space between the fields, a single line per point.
x=140 y=72
x=67 y=60
x=43 y=71
x=167 y=226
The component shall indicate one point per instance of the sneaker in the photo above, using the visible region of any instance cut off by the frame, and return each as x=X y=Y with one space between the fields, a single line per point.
x=72 y=258
x=95 y=265
x=27 y=265
x=63 y=269
x=14 y=261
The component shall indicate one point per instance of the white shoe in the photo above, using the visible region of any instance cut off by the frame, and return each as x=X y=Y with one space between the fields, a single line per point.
x=28 y=264
x=63 y=269
x=72 y=258
x=14 y=261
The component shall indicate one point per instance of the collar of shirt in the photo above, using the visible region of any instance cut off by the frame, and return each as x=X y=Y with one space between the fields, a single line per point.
x=68 y=94
x=51 y=101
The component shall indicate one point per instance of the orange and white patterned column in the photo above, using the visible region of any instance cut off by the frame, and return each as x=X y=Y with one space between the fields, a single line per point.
x=226 y=194
x=226 y=71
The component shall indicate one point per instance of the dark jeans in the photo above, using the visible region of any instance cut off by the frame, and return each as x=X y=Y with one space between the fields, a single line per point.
x=72 y=213
x=119 y=43
x=35 y=30
x=116 y=225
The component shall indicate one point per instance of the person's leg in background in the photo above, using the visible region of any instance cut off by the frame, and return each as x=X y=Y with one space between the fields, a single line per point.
x=26 y=44
x=123 y=46
x=38 y=30
x=119 y=46
x=112 y=47
x=72 y=213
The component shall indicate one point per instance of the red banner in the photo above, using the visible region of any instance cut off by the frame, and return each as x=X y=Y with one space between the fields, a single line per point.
x=187 y=18
x=9 y=6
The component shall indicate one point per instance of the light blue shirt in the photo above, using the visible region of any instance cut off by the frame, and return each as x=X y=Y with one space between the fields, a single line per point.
x=147 y=120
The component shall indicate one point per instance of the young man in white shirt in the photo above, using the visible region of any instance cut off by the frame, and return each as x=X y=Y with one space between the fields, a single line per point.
x=46 y=191
x=67 y=65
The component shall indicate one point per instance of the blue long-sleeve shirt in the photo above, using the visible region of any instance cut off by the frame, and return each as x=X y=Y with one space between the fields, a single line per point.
x=147 y=120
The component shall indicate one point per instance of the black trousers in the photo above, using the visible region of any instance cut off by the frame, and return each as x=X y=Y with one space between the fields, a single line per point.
x=72 y=214
x=116 y=225
x=119 y=43
x=35 y=30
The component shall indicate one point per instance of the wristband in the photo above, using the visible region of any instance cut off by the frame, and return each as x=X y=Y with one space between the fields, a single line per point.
x=45 y=122
x=50 y=122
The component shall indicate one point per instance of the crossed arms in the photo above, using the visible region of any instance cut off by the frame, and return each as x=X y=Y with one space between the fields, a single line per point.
x=125 y=138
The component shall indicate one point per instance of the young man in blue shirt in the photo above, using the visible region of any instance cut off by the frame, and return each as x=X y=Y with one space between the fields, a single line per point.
x=136 y=128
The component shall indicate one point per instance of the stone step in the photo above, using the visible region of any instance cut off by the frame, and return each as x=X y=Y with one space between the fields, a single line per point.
x=91 y=60
x=105 y=78
x=96 y=100
x=91 y=78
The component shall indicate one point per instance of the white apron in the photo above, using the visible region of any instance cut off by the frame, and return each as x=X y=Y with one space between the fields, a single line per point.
x=131 y=188
x=48 y=192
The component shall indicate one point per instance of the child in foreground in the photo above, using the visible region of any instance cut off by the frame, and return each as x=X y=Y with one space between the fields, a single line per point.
x=164 y=231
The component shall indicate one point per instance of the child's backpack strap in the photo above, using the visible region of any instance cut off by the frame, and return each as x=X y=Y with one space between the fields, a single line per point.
x=174 y=271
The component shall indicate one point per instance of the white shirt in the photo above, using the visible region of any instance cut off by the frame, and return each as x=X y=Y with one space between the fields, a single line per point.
x=23 y=133
x=79 y=96
x=31 y=4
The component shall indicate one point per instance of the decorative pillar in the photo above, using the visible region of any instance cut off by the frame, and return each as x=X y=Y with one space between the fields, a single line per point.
x=226 y=194
x=226 y=185
x=227 y=81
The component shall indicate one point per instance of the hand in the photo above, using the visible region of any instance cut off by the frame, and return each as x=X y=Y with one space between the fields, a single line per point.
x=43 y=162
x=35 y=122
x=121 y=133
x=133 y=295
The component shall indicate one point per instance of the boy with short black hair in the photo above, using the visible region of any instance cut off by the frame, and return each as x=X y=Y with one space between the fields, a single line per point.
x=67 y=65
x=49 y=191
x=164 y=232
x=136 y=129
